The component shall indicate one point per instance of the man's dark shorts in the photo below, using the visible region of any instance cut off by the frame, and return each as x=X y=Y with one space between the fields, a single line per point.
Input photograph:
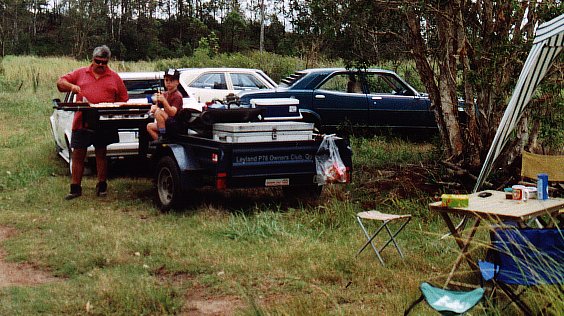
x=82 y=138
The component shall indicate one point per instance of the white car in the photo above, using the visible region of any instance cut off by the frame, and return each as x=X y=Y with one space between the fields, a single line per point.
x=139 y=85
x=208 y=84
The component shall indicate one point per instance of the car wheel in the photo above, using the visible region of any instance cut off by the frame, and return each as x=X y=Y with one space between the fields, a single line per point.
x=169 y=188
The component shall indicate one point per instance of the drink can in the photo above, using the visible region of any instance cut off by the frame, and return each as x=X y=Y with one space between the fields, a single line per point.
x=542 y=186
x=508 y=193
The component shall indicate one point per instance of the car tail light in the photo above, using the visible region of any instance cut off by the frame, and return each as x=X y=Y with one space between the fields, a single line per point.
x=214 y=158
x=221 y=181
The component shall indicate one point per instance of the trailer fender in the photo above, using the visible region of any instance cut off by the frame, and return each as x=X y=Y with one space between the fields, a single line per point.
x=311 y=117
x=183 y=155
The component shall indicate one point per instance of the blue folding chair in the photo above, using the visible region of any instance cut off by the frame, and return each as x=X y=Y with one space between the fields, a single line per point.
x=524 y=257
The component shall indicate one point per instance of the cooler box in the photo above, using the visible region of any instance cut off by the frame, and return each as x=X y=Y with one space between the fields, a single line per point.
x=256 y=132
x=279 y=109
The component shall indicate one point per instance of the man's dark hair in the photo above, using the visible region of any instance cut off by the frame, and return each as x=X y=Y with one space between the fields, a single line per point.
x=102 y=52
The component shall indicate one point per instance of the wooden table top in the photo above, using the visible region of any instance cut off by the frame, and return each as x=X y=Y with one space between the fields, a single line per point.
x=497 y=206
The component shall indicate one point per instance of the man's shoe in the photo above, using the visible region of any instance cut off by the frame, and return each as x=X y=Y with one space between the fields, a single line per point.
x=102 y=188
x=75 y=191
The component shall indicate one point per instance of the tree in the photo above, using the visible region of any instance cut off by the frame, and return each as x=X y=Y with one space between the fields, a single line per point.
x=275 y=34
x=472 y=50
x=15 y=22
x=479 y=53
x=232 y=28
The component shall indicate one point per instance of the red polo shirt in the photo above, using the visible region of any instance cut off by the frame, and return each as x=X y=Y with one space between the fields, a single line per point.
x=107 y=88
x=174 y=99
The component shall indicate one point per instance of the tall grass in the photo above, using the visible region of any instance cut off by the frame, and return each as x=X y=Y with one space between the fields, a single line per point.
x=39 y=74
x=120 y=255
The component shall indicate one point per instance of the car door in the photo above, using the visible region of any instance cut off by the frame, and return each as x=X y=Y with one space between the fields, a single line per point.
x=392 y=103
x=61 y=123
x=336 y=103
x=209 y=86
x=246 y=82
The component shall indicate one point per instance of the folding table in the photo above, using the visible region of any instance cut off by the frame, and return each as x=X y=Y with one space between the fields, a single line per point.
x=494 y=209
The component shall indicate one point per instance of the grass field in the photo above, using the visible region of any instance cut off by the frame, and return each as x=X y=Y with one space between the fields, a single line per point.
x=239 y=252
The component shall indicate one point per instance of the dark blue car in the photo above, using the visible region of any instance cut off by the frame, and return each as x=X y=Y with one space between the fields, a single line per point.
x=331 y=97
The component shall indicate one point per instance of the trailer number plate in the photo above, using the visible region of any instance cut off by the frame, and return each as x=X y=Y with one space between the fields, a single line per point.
x=277 y=182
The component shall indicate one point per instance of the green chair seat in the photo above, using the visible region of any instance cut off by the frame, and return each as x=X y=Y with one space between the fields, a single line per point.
x=448 y=302
x=455 y=302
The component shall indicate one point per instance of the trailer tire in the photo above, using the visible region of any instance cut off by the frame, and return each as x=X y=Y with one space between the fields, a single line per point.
x=169 y=187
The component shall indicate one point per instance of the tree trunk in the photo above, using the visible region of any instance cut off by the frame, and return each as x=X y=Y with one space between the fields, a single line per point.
x=441 y=89
x=261 y=26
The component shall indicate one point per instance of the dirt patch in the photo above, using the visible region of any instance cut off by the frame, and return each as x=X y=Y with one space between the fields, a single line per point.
x=199 y=303
x=198 y=300
x=15 y=274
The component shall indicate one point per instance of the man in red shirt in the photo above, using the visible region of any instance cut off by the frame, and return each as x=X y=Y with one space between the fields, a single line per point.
x=96 y=83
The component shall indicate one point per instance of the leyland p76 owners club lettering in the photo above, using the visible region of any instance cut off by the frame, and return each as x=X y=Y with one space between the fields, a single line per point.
x=267 y=158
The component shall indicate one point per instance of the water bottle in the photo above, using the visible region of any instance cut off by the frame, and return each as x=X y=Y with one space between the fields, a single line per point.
x=542 y=186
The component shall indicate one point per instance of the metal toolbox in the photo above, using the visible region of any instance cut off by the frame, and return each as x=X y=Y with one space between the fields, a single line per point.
x=278 y=109
x=257 y=132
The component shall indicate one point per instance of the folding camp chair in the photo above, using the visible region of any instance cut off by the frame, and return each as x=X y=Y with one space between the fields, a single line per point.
x=534 y=164
x=447 y=302
x=524 y=257
x=385 y=219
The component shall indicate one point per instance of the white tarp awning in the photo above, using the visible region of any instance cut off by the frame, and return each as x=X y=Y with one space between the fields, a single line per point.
x=547 y=45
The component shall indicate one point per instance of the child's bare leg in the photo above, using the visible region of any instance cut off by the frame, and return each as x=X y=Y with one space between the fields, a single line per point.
x=153 y=130
x=160 y=117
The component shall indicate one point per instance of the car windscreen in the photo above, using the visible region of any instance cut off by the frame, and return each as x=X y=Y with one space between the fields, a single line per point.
x=137 y=89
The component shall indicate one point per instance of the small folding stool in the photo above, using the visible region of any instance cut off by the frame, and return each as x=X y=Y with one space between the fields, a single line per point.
x=385 y=218
x=447 y=302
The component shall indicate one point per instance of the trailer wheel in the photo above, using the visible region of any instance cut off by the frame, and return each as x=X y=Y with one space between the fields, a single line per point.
x=169 y=188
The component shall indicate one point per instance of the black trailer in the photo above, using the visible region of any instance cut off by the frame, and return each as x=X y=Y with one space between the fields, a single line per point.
x=191 y=161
